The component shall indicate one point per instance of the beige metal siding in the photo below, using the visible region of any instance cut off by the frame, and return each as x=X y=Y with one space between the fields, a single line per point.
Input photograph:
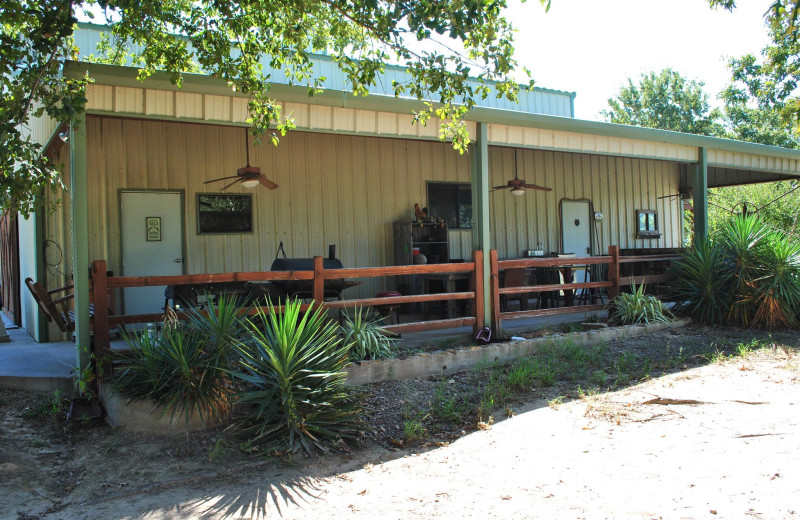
x=587 y=143
x=343 y=190
x=615 y=186
x=160 y=104
x=57 y=239
x=347 y=190
x=40 y=129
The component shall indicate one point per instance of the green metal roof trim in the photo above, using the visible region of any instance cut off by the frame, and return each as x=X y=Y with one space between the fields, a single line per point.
x=197 y=83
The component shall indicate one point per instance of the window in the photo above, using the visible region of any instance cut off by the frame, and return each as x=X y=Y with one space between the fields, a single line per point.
x=647 y=223
x=452 y=202
x=218 y=213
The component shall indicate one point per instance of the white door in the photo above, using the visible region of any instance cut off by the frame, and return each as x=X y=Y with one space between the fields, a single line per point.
x=152 y=244
x=576 y=234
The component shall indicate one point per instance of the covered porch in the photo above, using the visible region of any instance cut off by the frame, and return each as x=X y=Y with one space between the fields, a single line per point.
x=352 y=169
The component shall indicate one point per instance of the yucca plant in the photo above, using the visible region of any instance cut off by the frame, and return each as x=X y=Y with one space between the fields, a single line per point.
x=702 y=284
x=748 y=276
x=776 y=294
x=741 y=240
x=292 y=382
x=172 y=369
x=364 y=336
x=183 y=368
x=637 y=307
x=221 y=325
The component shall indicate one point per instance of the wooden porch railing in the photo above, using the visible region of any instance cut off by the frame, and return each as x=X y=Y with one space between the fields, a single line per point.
x=613 y=284
x=103 y=322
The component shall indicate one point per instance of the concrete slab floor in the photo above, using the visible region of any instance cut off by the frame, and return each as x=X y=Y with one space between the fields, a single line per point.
x=26 y=364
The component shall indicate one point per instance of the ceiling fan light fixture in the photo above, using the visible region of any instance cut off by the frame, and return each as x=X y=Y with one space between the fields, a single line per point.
x=250 y=183
x=517 y=191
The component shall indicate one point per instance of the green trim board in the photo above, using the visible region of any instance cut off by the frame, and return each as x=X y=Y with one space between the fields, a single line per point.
x=79 y=216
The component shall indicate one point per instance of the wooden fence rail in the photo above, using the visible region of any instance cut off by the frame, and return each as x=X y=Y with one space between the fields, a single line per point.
x=103 y=322
x=613 y=284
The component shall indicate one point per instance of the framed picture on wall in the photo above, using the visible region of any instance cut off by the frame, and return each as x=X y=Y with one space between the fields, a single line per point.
x=224 y=213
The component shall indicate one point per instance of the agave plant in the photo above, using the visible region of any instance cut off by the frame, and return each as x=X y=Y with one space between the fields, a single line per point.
x=637 y=307
x=364 y=336
x=293 y=393
x=702 y=285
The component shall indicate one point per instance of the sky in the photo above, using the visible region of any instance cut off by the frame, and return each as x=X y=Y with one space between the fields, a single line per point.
x=591 y=47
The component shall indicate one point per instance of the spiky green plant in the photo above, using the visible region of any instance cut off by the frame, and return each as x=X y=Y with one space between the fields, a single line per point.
x=364 y=336
x=776 y=293
x=221 y=325
x=293 y=395
x=183 y=368
x=748 y=276
x=702 y=284
x=637 y=307
x=174 y=370
x=742 y=241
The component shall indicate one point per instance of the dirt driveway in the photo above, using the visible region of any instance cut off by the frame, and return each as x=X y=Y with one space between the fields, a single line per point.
x=717 y=441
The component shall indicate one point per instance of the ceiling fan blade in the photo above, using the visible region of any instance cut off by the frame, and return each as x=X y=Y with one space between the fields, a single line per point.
x=231 y=184
x=495 y=188
x=536 y=187
x=267 y=183
x=222 y=179
x=669 y=196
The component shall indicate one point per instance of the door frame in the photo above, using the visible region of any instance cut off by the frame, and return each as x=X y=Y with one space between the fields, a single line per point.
x=592 y=238
x=182 y=194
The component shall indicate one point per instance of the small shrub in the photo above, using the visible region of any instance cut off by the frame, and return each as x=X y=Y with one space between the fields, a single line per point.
x=292 y=382
x=364 y=336
x=183 y=368
x=638 y=307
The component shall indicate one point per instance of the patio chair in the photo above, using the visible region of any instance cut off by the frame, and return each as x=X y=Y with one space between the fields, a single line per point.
x=594 y=273
x=56 y=310
x=514 y=277
x=547 y=276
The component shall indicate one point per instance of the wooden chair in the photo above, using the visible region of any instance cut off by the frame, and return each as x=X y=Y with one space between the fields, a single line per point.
x=514 y=277
x=56 y=310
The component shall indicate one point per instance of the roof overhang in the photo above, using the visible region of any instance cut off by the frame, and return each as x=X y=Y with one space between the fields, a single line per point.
x=730 y=162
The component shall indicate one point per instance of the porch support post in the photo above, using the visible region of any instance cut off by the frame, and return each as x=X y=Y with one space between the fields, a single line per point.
x=481 y=236
x=701 y=196
x=79 y=217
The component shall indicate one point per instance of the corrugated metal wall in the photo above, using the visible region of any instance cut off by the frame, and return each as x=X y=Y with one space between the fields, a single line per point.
x=616 y=186
x=347 y=190
x=57 y=247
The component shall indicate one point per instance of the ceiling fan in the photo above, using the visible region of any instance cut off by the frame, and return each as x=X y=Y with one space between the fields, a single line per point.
x=517 y=185
x=248 y=176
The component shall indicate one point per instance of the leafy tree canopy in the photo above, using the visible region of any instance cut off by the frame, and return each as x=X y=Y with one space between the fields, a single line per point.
x=441 y=44
x=664 y=100
x=772 y=80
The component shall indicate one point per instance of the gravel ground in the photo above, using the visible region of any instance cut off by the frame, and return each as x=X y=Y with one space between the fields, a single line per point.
x=720 y=443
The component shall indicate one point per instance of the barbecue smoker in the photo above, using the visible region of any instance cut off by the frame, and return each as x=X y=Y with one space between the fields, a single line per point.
x=303 y=288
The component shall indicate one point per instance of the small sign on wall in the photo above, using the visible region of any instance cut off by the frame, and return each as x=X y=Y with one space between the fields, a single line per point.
x=154 y=229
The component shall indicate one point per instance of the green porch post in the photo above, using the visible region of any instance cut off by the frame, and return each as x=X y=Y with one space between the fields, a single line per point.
x=79 y=217
x=481 y=236
x=701 y=196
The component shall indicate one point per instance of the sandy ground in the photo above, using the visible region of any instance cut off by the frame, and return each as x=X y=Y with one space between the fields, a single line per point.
x=719 y=441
